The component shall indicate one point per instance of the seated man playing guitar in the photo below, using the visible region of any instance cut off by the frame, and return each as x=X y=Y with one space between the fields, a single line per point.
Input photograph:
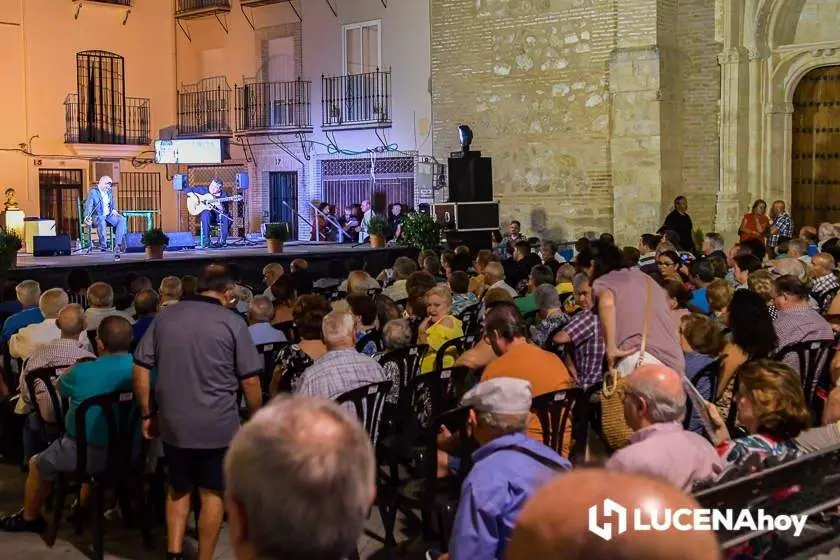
x=101 y=210
x=207 y=202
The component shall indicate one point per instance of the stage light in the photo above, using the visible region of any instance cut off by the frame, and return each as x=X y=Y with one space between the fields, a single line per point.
x=465 y=133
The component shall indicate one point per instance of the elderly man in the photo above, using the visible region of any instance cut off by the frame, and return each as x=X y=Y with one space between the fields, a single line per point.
x=60 y=353
x=101 y=211
x=341 y=369
x=494 y=277
x=554 y=523
x=654 y=407
x=28 y=293
x=797 y=321
x=170 y=291
x=823 y=280
x=507 y=468
x=260 y=314
x=798 y=249
x=584 y=333
x=203 y=354
x=403 y=268
x=146 y=305
x=271 y=273
x=100 y=298
x=28 y=339
x=540 y=275
x=781 y=226
x=713 y=245
x=110 y=373
x=327 y=486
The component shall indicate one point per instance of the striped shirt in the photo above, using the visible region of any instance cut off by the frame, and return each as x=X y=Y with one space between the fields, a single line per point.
x=339 y=371
x=785 y=225
x=61 y=352
x=800 y=324
x=588 y=340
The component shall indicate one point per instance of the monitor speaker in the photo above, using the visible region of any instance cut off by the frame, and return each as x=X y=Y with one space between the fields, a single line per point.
x=50 y=245
x=242 y=181
x=180 y=181
x=178 y=241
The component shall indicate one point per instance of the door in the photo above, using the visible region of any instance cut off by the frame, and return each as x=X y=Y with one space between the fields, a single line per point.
x=282 y=188
x=815 y=154
x=61 y=196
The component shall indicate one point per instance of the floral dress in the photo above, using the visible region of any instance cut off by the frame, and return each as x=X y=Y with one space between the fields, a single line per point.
x=292 y=361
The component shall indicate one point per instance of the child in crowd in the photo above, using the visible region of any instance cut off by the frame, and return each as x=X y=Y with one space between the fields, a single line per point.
x=719 y=293
x=701 y=340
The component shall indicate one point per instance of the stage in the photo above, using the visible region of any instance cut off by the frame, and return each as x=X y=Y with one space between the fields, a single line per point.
x=50 y=272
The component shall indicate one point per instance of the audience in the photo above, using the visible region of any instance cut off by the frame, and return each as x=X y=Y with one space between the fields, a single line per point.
x=763 y=283
x=146 y=305
x=654 y=407
x=335 y=275
x=548 y=252
x=702 y=274
x=300 y=479
x=359 y=282
x=744 y=266
x=283 y=297
x=100 y=297
x=365 y=320
x=719 y=293
x=478 y=283
x=796 y=321
x=403 y=268
x=824 y=284
x=679 y=297
x=713 y=245
x=647 y=253
x=78 y=281
x=260 y=315
x=292 y=359
x=189 y=286
x=271 y=273
x=300 y=276
x=203 y=355
x=539 y=275
x=520 y=267
x=550 y=314
x=431 y=264
x=494 y=277
x=438 y=328
x=28 y=294
x=462 y=297
x=23 y=343
x=170 y=291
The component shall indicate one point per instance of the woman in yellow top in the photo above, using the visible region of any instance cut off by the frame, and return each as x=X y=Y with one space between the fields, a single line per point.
x=439 y=327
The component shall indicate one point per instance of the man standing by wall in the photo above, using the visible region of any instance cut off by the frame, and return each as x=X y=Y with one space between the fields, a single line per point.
x=679 y=222
x=781 y=228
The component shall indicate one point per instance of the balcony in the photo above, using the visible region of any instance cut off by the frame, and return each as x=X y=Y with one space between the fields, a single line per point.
x=187 y=9
x=204 y=108
x=266 y=107
x=121 y=124
x=356 y=101
x=126 y=3
x=258 y=3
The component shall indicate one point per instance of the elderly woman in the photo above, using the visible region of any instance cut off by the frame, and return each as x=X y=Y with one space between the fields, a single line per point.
x=309 y=312
x=439 y=327
x=550 y=312
x=772 y=408
x=283 y=295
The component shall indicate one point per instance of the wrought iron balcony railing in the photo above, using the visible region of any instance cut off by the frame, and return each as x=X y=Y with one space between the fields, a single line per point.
x=192 y=8
x=356 y=100
x=116 y=124
x=204 y=108
x=273 y=106
x=114 y=2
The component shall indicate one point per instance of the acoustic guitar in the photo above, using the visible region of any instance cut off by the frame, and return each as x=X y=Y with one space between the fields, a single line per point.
x=198 y=203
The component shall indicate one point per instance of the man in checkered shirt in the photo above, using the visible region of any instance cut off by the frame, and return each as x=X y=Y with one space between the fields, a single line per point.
x=823 y=280
x=782 y=227
x=341 y=369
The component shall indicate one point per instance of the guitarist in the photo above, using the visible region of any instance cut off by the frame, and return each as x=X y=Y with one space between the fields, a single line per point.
x=219 y=212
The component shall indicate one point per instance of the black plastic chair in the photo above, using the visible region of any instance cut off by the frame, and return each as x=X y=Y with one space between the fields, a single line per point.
x=368 y=401
x=824 y=300
x=268 y=352
x=814 y=367
x=288 y=329
x=460 y=344
x=374 y=336
x=406 y=364
x=373 y=292
x=11 y=370
x=50 y=431
x=711 y=373
x=122 y=472
x=554 y=411
x=286 y=381
x=469 y=318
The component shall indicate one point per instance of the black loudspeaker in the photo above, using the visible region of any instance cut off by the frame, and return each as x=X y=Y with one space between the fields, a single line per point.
x=133 y=244
x=242 y=181
x=50 y=245
x=470 y=178
x=178 y=241
x=180 y=181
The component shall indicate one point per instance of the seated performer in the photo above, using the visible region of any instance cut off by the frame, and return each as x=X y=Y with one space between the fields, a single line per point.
x=216 y=210
x=101 y=209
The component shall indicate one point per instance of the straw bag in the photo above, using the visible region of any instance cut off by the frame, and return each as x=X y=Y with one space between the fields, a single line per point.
x=614 y=427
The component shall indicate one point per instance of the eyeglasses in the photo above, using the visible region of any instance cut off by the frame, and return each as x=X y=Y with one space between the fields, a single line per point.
x=665 y=263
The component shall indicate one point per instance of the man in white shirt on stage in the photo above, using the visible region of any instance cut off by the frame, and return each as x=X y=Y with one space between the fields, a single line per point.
x=101 y=210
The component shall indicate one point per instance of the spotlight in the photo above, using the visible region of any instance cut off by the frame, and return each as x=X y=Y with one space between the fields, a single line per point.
x=465 y=133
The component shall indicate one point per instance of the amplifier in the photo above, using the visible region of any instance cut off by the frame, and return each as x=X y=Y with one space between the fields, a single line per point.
x=50 y=245
x=467 y=216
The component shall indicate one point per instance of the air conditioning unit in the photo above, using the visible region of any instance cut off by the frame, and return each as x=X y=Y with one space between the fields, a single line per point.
x=99 y=169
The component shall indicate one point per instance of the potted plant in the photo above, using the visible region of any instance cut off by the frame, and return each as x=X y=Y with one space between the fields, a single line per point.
x=10 y=244
x=275 y=235
x=154 y=240
x=420 y=231
x=378 y=229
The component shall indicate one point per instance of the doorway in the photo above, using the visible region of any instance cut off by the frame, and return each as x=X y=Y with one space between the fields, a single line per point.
x=61 y=198
x=815 y=153
x=283 y=188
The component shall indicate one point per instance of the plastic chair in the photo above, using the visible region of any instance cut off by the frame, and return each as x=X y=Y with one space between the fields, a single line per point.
x=711 y=373
x=554 y=411
x=814 y=367
x=406 y=362
x=460 y=345
x=368 y=401
x=268 y=351
x=469 y=318
x=50 y=431
x=374 y=336
x=288 y=329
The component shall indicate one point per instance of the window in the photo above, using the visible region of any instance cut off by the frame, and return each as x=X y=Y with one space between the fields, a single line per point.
x=362 y=47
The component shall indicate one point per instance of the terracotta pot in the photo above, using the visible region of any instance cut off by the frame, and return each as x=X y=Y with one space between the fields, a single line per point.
x=377 y=241
x=154 y=252
x=274 y=246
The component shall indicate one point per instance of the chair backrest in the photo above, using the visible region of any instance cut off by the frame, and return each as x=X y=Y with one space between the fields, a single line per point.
x=373 y=292
x=122 y=420
x=91 y=334
x=428 y=395
x=469 y=318
x=50 y=431
x=11 y=367
x=709 y=375
x=268 y=352
x=530 y=318
x=368 y=401
x=824 y=300
x=289 y=375
x=406 y=361
x=813 y=359
x=288 y=329
x=450 y=347
x=554 y=411
x=374 y=336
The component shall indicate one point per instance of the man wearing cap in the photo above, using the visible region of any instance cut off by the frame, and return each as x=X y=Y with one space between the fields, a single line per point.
x=508 y=467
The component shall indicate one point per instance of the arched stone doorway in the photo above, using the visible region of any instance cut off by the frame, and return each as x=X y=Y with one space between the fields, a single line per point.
x=815 y=148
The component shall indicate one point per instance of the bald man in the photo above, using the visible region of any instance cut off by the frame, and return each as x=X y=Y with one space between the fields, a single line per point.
x=494 y=277
x=260 y=314
x=823 y=280
x=545 y=531
x=654 y=406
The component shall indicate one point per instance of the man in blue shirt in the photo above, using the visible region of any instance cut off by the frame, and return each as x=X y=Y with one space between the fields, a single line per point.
x=508 y=467
x=702 y=274
x=146 y=305
x=110 y=373
x=28 y=293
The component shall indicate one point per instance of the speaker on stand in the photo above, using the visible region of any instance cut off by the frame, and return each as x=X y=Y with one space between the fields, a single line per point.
x=242 y=184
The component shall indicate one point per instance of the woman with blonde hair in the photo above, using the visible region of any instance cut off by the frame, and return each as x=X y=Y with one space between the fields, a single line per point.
x=477 y=283
x=762 y=283
x=719 y=293
x=772 y=408
x=439 y=327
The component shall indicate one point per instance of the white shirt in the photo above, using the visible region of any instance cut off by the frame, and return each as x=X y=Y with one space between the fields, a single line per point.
x=94 y=316
x=503 y=285
x=28 y=339
x=363 y=227
x=106 y=202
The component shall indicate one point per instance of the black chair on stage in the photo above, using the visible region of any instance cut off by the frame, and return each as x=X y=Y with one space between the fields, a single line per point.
x=469 y=318
x=710 y=375
x=374 y=336
x=555 y=413
x=288 y=329
x=460 y=345
x=813 y=362
x=123 y=470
